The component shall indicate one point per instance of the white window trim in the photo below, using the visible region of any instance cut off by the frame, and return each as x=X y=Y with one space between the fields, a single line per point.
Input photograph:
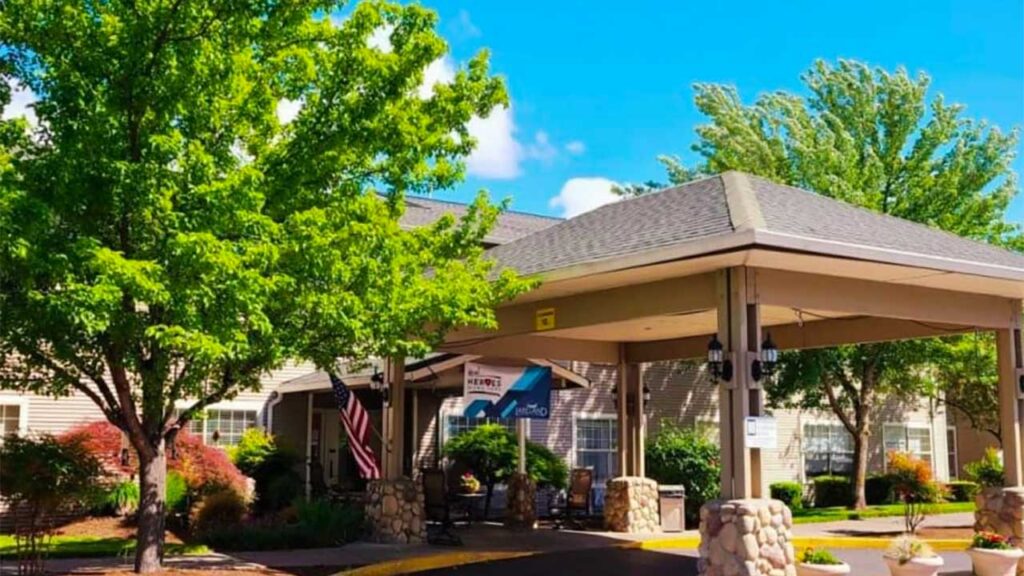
x=905 y=426
x=576 y=416
x=954 y=473
x=22 y=402
x=817 y=421
x=246 y=405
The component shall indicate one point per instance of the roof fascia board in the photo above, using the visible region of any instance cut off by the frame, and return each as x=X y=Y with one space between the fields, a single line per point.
x=744 y=209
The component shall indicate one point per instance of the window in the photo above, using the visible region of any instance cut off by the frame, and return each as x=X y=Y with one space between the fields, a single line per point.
x=828 y=449
x=954 y=457
x=10 y=419
x=914 y=440
x=455 y=425
x=597 y=446
x=222 y=427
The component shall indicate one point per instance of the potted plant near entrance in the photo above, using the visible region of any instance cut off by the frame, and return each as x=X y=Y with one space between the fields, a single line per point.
x=909 y=556
x=993 y=555
x=820 y=563
x=468 y=484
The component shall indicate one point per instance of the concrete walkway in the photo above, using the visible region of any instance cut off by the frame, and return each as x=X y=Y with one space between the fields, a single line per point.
x=881 y=527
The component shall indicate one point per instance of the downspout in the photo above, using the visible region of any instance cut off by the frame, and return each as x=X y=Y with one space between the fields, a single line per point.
x=275 y=399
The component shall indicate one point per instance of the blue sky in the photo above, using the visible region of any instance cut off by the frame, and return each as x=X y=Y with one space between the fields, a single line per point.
x=600 y=89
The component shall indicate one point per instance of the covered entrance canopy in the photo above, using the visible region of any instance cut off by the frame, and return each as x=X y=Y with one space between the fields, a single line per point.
x=653 y=278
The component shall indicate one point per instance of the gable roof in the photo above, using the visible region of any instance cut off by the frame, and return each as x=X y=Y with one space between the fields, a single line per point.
x=420 y=211
x=735 y=210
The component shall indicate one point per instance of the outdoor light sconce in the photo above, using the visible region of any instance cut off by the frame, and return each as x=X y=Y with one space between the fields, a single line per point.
x=630 y=399
x=378 y=384
x=719 y=366
x=764 y=366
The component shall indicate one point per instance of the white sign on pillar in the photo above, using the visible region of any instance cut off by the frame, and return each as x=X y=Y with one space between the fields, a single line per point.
x=761 y=432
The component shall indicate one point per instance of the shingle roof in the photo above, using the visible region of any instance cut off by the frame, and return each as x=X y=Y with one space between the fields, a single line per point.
x=511 y=225
x=712 y=207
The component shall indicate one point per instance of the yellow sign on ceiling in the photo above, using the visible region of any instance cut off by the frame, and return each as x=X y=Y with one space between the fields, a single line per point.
x=544 y=319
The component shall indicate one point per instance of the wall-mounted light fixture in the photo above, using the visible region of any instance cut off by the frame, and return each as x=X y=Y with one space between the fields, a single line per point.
x=719 y=366
x=378 y=385
x=766 y=363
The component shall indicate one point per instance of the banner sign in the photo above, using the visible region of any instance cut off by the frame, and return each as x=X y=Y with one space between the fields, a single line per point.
x=507 y=391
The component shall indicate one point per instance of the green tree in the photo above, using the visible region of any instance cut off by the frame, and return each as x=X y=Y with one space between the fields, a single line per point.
x=874 y=139
x=165 y=236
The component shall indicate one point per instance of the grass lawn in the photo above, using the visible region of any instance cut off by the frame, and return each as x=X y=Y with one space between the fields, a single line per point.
x=813 y=515
x=94 y=547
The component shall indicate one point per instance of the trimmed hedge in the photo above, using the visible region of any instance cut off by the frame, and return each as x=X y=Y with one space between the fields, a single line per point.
x=962 y=491
x=832 y=491
x=791 y=494
x=878 y=490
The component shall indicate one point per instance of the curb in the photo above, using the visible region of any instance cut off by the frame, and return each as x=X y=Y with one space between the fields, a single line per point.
x=433 y=562
x=835 y=542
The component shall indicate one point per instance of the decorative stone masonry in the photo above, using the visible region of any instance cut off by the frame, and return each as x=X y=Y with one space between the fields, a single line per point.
x=394 y=511
x=631 y=505
x=521 y=507
x=747 y=538
x=1001 y=510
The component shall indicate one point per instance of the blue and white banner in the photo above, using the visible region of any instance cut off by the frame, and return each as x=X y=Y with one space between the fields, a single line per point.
x=507 y=391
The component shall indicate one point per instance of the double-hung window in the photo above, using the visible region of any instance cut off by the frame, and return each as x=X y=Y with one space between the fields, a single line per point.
x=596 y=447
x=222 y=427
x=912 y=439
x=10 y=419
x=455 y=425
x=828 y=449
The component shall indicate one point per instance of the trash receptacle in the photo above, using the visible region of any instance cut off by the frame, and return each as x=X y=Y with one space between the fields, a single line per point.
x=671 y=503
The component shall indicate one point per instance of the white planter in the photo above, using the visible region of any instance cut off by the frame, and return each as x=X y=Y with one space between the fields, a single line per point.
x=821 y=569
x=995 y=562
x=915 y=566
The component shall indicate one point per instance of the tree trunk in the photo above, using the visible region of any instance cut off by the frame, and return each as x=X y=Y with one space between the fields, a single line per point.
x=860 y=469
x=149 y=553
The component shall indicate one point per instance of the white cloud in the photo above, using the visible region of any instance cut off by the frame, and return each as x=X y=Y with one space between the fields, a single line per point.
x=381 y=39
x=579 y=195
x=440 y=71
x=464 y=26
x=541 y=148
x=576 y=147
x=287 y=110
x=497 y=154
x=22 y=99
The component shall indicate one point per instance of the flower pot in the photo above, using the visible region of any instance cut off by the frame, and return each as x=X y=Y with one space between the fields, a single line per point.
x=995 y=562
x=915 y=566
x=821 y=569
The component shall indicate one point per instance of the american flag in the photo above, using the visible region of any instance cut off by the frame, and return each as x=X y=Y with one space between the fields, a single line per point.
x=357 y=426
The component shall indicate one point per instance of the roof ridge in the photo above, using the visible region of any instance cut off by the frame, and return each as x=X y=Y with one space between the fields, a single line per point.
x=744 y=207
x=885 y=215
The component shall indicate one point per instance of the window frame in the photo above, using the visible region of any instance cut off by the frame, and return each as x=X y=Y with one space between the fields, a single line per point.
x=599 y=416
x=905 y=428
x=229 y=406
x=22 y=402
x=832 y=446
x=445 y=431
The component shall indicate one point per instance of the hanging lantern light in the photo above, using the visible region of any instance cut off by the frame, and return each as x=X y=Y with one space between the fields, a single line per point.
x=718 y=365
x=767 y=361
x=378 y=384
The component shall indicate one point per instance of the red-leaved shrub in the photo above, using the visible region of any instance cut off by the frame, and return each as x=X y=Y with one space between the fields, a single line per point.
x=206 y=469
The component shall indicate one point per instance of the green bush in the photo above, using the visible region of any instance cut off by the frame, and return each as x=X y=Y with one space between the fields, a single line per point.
x=819 y=557
x=962 y=490
x=122 y=499
x=545 y=467
x=878 y=489
x=832 y=491
x=685 y=456
x=259 y=457
x=987 y=472
x=176 y=492
x=791 y=494
x=317 y=524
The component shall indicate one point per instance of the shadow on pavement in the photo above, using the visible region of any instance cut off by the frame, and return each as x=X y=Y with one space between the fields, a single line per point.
x=592 y=562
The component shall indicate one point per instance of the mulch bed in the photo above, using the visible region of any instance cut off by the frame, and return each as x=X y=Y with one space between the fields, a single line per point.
x=107 y=527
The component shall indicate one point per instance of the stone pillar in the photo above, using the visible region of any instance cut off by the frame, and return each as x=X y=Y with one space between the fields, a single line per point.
x=1001 y=510
x=749 y=537
x=394 y=511
x=631 y=505
x=521 y=507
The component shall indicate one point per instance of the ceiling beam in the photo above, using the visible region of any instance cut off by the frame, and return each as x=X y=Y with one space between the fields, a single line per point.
x=529 y=346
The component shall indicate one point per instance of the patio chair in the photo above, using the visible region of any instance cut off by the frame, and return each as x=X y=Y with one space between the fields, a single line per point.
x=581 y=482
x=438 y=508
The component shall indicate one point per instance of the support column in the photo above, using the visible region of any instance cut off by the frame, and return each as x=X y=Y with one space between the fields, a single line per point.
x=394 y=419
x=1008 y=343
x=623 y=414
x=638 y=424
x=521 y=508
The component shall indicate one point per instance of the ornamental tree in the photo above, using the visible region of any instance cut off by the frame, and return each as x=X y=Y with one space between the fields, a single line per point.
x=166 y=234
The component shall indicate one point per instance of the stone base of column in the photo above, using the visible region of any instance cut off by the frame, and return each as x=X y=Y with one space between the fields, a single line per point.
x=631 y=505
x=521 y=506
x=394 y=511
x=1001 y=510
x=749 y=537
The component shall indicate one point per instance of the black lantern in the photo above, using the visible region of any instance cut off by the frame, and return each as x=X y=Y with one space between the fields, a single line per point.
x=647 y=395
x=719 y=366
x=630 y=399
x=767 y=360
x=378 y=384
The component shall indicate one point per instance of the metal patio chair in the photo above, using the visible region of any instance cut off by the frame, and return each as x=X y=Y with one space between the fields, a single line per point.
x=438 y=508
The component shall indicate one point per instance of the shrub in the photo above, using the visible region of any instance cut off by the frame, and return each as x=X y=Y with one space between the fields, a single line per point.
x=206 y=469
x=819 y=558
x=878 y=489
x=912 y=484
x=685 y=456
x=176 y=492
x=906 y=548
x=41 y=478
x=545 y=467
x=987 y=472
x=105 y=442
x=219 y=510
x=314 y=524
x=122 y=499
x=832 y=491
x=273 y=468
x=791 y=494
x=962 y=490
